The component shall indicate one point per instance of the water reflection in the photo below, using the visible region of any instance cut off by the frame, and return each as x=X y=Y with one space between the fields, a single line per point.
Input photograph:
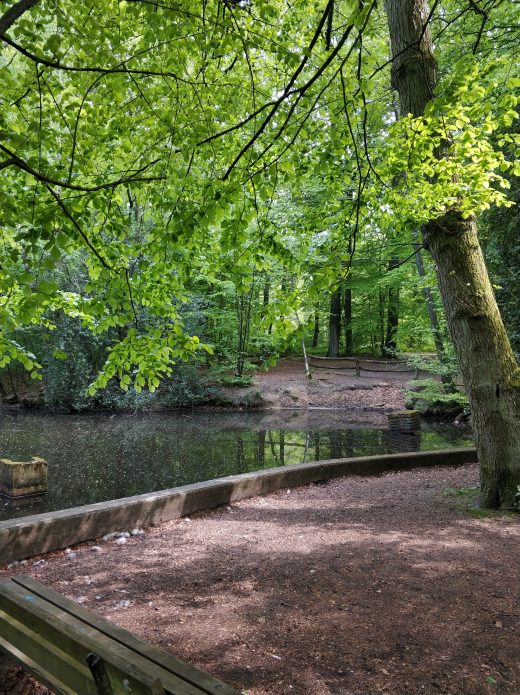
x=99 y=457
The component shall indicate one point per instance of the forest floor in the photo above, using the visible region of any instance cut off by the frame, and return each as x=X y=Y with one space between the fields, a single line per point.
x=286 y=386
x=394 y=584
x=390 y=584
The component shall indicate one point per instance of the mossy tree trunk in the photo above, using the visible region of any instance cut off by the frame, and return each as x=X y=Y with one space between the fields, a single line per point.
x=489 y=368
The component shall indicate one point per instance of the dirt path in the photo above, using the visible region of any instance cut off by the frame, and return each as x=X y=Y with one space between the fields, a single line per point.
x=287 y=386
x=357 y=587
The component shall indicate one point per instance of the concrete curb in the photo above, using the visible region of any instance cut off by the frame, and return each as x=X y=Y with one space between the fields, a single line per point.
x=33 y=535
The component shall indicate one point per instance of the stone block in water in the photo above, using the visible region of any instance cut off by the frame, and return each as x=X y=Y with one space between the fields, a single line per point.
x=405 y=421
x=21 y=478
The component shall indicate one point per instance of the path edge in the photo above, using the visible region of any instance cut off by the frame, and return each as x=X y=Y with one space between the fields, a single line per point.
x=28 y=536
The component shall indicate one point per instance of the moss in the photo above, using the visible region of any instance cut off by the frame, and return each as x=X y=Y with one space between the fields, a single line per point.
x=467 y=501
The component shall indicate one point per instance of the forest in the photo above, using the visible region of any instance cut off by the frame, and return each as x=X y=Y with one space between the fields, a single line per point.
x=190 y=190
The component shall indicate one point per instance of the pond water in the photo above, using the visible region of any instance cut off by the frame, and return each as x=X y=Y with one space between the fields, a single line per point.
x=100 y=457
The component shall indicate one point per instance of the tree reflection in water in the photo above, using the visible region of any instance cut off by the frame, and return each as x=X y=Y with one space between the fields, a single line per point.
x=98 y=457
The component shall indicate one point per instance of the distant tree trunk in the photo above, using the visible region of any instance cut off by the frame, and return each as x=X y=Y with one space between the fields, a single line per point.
x=446 y=378
x=266 y=297
x=381 y=322
x=316 y=332
x=392 y=316
x=265 y=293
x=489 y=368
x=244 y=303
x=334 y=323
x=347 y=314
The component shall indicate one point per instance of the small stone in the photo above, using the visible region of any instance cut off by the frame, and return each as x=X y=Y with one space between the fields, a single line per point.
x=67 y=551
x=24 y=562
x=81 y=599
x=122 y=604
x=187 y=518
x=109 y=536
x=12 y=564
x=137 y=532
x=99 y=597
x=97 y=548
x=122 y=534
x=39 y=563
x=72 y=555
x=121 y=540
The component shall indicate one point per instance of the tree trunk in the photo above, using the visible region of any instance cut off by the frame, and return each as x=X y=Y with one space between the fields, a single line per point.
x=392 y=315
x=334 y=323
x=347 y=309
x=316 y=332
x=446 y=378
x=381 y=322
x=489 y=368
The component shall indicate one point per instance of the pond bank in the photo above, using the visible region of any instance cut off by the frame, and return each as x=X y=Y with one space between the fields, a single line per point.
x=283 y=386
x=32 y=535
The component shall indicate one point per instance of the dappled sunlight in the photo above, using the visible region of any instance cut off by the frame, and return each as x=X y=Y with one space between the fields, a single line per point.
x=316 y=587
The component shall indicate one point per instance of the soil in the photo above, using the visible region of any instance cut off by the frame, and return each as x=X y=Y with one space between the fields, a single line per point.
x=394 y=584
x=287 y=386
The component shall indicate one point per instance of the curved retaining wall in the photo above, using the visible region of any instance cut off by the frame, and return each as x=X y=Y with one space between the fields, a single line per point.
x=33 y=535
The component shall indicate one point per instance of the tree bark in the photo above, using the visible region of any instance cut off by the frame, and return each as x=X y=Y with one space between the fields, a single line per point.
x=381 y=322
x=334 y=323
x=489 y=368
x=392 y=315
x=347 y=308
x=316 y=331
x=446 y=378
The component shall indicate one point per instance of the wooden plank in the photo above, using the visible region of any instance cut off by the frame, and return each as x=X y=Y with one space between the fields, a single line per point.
x=76 y=639
x=206 y=683
x=29 y=648
x=35 y=668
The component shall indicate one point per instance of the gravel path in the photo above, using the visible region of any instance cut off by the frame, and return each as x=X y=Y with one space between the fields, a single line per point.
x=356 y=587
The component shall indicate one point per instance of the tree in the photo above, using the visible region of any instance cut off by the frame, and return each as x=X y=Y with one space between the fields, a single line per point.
x=198 y=113
x=490 y=371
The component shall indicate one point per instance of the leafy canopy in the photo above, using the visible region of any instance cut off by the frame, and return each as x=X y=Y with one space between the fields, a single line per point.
x=159 y=137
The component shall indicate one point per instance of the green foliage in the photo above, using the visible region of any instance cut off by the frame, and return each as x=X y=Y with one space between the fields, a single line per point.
x=431 y=363
x=430 y=397
x=464 y=492
x=502 y=248
x=179 y=158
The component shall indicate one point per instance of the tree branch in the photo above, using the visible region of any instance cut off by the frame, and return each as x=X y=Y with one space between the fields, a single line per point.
x=119 y=69
x=39 y=176
x=82 y=234
x=14 y=13
x=7 y=163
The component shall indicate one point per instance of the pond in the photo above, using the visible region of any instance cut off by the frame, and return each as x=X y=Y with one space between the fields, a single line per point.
x=100 y=457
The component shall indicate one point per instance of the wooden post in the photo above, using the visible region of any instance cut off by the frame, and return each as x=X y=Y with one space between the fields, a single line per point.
x=358 y=368
x=99 y=674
